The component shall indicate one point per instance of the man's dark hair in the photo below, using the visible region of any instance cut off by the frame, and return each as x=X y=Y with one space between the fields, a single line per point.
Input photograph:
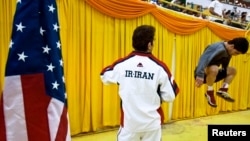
x=240 y=44
x=142 y=36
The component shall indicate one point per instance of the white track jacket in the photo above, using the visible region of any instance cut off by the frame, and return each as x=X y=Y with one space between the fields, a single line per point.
x=144 y=82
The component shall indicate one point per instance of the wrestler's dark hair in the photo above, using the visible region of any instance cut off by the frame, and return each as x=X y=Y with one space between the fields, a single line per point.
x=240 y=44
x=142 y=36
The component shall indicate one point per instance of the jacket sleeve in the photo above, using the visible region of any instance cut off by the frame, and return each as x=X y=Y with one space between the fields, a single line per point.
x=168 y=88
x=109 y=75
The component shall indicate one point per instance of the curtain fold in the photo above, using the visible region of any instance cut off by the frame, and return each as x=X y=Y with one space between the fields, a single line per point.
x=94 y=33
x=123 y=9
x=135 y=8
x=7 y=10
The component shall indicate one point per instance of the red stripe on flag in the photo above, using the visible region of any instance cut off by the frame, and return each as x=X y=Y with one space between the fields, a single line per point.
x=62 y=130
x=2 y=122
x=36 y=103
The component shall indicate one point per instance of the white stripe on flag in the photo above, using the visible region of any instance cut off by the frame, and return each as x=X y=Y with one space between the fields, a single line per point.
x=55 y=111
x=14 y=109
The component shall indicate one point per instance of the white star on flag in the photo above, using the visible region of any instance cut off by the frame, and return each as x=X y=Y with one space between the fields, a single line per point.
x=20 y=27
x=22 y=56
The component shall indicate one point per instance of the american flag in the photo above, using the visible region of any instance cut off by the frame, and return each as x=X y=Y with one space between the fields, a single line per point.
x=33 y=101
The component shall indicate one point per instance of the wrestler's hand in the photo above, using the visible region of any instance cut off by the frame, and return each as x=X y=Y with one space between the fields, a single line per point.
x=199 y=81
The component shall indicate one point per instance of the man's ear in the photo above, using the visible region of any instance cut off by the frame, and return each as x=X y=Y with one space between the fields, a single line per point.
x=232 y=46
x=150 y=44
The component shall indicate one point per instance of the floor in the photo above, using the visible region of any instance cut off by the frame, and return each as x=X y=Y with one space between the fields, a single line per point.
x=183 y=130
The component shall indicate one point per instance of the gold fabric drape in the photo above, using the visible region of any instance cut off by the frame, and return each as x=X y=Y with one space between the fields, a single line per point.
x=94 y=33
x=177 y=24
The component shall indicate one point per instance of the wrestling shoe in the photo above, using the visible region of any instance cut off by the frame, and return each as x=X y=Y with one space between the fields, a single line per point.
x=223 y=94
x=210 y=98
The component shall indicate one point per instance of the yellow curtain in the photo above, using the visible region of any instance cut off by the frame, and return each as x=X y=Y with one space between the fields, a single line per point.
x=179 y=24
x=94 y=33
x=6 y=14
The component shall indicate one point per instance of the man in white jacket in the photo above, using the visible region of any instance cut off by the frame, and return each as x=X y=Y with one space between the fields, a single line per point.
x=144 y=82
